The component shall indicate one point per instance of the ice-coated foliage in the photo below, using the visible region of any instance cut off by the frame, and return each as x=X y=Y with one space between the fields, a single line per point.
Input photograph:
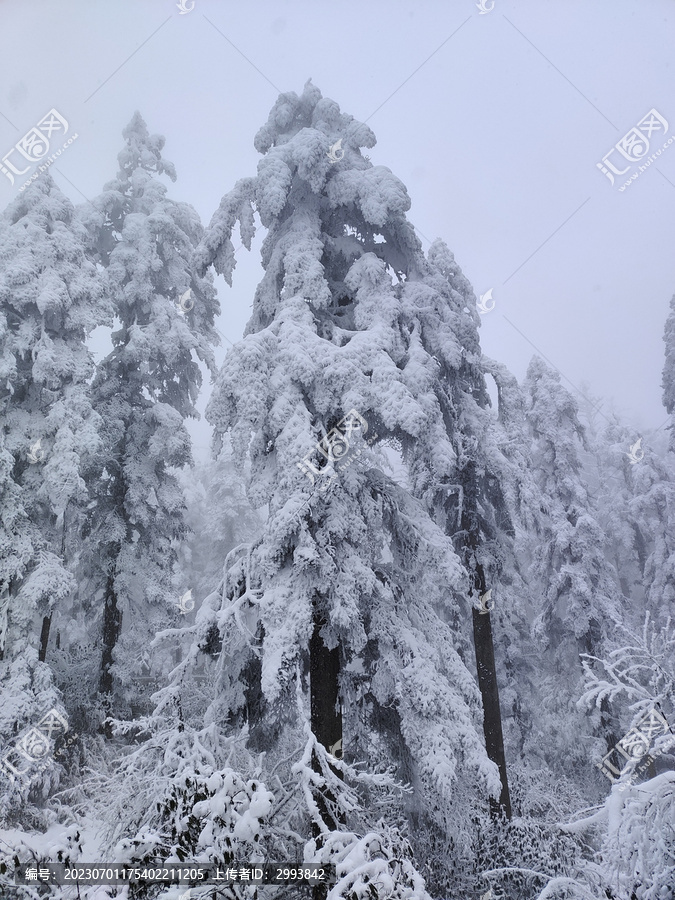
x=637 y=851
x=652 y=506
x=51 y=299
x=189 y=804
x=574 y=588
x=377 y=865
x=668 y=381
x=18 y=538
x=337 y=324
x=144 y=389
x=580 y=600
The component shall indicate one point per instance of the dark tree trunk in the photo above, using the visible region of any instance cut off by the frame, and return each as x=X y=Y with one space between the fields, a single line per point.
x=326 y=714
x=482 y=636
x=492 y=717
x=112 y=626
x=44 y=637
x=5 y=599
x=47 y=620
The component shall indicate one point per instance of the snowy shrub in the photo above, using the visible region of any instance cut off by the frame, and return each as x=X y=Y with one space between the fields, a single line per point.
x=638 y=852
x=377 y=866
x=18 y=849
x=180 y=800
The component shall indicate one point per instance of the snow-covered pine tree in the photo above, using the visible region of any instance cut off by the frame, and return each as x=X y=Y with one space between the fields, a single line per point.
x=638 y=501
x=632 y=481
x=51 y=299
x=653 y=509
x=455 y=460
x=579 y=602
x=610 y=471
x=358 y=582
x=654 y=499
x=144 y=389
x=18 y=539
x=507 y=447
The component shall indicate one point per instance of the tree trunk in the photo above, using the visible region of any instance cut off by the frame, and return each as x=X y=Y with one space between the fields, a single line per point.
x=326 y=714
x=4 y=617
x=44 y=637
x=326 y=721
x=482 y=637
x=47 y=620
x=492 y=717
x=112 y=626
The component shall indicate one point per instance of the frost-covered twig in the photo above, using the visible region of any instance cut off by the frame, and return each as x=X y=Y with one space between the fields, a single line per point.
x=635 y=670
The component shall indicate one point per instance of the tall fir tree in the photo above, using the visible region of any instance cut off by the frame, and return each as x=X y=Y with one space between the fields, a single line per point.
x=578 y=598
x=653 y=509
x=456 y=462
x=611 y=474
x=51 y=299
x=581 y=604
x=508 y=447
x=658 y=490
x=356 y=586
x=144 y=390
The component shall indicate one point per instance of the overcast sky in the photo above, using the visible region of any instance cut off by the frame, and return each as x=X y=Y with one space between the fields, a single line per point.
x=494 y=121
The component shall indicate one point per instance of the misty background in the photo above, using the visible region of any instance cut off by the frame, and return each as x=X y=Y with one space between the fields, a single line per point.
x=495 y=123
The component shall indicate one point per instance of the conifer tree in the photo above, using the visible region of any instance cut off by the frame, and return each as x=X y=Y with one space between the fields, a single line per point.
x=614 y=484
x=581 y=603
x=658 y=498
x=653 y=509
x=51 y=299
x=144 y=389
x=579 y=598
x=519 y=526
x=351 y=581
x=455 y=461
